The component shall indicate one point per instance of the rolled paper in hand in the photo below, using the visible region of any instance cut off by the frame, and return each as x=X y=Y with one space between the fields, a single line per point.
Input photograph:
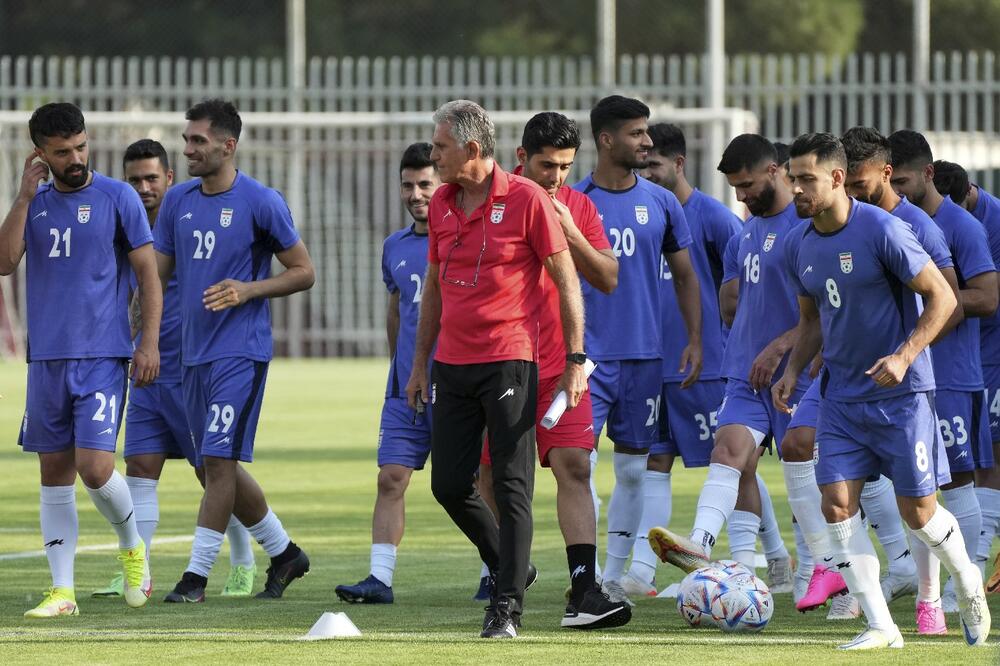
x=558 y=406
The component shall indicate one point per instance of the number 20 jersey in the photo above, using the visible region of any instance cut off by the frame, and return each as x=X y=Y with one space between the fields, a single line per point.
x=229 y=235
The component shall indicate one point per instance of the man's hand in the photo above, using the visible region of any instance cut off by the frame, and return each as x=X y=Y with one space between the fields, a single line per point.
x=565 y=217
x=691 y=358
x=574 y=382
x=34 y=173
x=418 y=386
x=889 y=370
x=145 y=365
x=765 y=364
x=227 y=294
x=782 y=391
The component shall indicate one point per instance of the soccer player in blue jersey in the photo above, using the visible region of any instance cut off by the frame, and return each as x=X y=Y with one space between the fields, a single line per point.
x=81 y=232
x=404 y=436
x=220 y=232
x=644 y=222
x=762 y=333
x=688 y=416
x=952 y=179
x=859 y=271
x=155 y=424
x=959 y=400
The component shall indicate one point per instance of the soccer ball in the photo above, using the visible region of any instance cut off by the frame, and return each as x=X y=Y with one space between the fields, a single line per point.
x=732 y=567
x=694 y=598
x=741 y=602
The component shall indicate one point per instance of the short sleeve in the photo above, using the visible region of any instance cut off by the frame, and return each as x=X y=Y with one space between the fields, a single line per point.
x=133 y=219
x=433 y=215
x=542 y=231
x=275 y=219
x=720 y=225
x=932 y=239
x=971 y=249
x=390 y=283
x=588 y=220
x=899 y=250
x=792 y=246
x=730 y=262
x=678 y=234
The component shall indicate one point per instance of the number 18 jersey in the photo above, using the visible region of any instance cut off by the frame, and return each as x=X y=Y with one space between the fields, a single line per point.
x=229 y=235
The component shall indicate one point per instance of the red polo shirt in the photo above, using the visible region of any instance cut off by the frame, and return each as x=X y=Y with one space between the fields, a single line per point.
x=498 y=318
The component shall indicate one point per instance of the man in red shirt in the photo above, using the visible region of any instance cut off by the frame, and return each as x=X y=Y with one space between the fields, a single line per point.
x=491 y=233
x=548 y=149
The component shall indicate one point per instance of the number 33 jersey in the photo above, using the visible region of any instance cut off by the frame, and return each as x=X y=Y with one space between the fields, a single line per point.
x=230 y=235
x=857 y=276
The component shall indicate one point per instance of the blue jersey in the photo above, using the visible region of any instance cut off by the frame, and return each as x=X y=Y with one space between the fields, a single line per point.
x=928 y=234
x=642 y=223
x=957 y=359
x=768 y=305
x=170 y=334
x=404 y=263
x=987 y=211
x=230 y=235
x=77 y=246
x=857 y=276
x=711 y=225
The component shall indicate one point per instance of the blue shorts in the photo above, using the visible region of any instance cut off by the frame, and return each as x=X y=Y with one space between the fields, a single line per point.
x=742 y=406
x=626 y=396
x=991 y=377
x=155 y=422
x=404 y=437
x=688 y=419
x=896 y=436
x=965 y=430
x=74 y=402
x=806 y=412
x=222 y=400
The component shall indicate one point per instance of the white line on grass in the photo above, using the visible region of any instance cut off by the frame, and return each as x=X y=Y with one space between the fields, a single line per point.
x=94 y=548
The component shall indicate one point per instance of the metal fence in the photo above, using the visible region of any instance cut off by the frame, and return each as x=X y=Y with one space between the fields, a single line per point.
x=340 y=178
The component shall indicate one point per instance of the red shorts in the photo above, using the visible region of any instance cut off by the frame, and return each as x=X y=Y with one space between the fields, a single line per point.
x=574 y=430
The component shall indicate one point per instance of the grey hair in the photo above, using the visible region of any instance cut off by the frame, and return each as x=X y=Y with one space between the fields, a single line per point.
x=468 y=122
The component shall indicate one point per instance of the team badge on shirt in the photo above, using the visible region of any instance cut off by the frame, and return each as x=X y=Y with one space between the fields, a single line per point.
x=83 y=214
x=496 y=213
x=641 y=214
x=846 y=262
x=226 y=218
x=769 y=241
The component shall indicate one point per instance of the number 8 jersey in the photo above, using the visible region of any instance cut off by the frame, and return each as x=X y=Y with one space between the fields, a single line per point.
x=857 y=276
x=229 y=235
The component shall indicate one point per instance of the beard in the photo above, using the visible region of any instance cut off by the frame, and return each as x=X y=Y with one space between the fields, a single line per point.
x=75 y=175
x=762 y=203
x=875 y=197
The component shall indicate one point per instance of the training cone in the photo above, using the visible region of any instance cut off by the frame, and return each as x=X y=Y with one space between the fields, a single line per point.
x=669 y=592
x=332 y=625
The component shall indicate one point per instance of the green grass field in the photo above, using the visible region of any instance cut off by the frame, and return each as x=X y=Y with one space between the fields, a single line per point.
x=316 y=460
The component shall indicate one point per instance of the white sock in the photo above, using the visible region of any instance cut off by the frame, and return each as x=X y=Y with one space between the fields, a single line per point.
x=928 y=570
x=656 y=507
x=878 y=499
x=146 y=504
x=597 y=505
x=855 y=559
x=270 y=534
x=964 y=505
x=383 y=562
x=770 y=533
x=114 y=502
x=989 y=502
x=805 y=500
x=57 y=514
x=716 y=501
x=802 y=554
x=485 y=571
x=240 y=544
x=204 y=550
x=943 y=536
x=624 y=511
x=743 y=527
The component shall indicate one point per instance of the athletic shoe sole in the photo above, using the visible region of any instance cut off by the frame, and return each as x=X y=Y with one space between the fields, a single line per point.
x=614 y=618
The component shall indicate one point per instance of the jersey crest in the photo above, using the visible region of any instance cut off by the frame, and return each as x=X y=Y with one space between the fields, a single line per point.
x=846 y=262
x=769 y=241
x=641 y=214
x=83 y=214
x=496 y=213
x=226 y=217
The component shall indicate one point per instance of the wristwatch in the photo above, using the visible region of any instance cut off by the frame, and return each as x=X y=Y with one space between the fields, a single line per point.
x=579 y=358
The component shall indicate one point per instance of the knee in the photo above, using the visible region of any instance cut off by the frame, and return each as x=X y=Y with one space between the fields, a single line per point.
x=662 y=463
x=797 y=445
x=392 y=481
x=95 y=471
x=729 y=450
x=571 y=469
x=218 y=470
x=835 y=511
x=448 y=490
x=143 y=468
x=629 y=469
